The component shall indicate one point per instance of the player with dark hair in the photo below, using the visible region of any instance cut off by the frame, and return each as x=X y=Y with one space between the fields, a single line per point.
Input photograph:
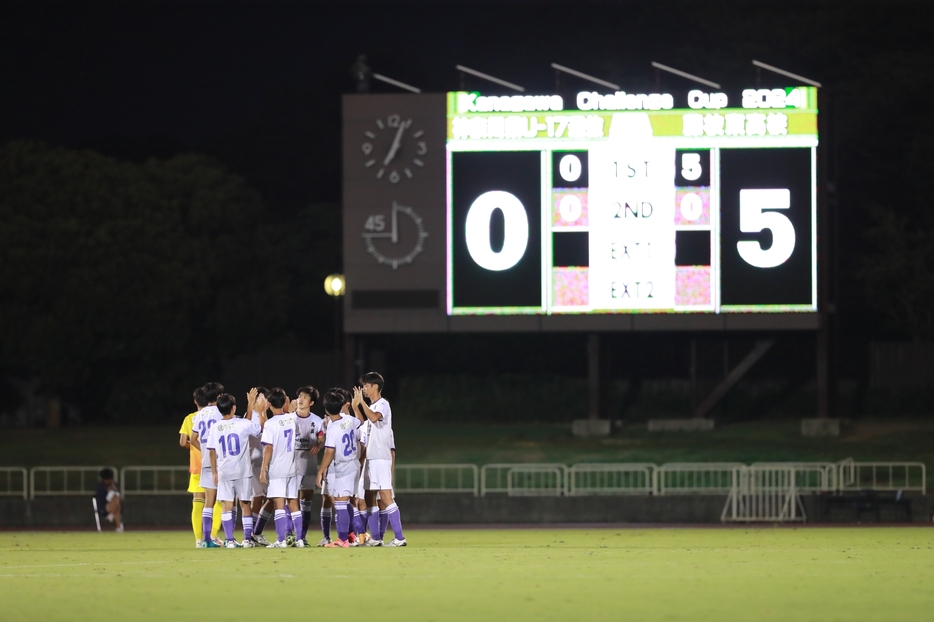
x=379 y=459
x=202 y=423
x=309 y=438
x=278 y=469
x=339 y=465
x=194 y=480
x=228 y=443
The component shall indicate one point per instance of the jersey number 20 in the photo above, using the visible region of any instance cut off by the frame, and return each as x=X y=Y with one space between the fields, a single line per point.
x=349 y=446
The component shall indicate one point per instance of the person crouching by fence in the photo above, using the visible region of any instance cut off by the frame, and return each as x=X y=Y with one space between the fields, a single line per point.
x=109 y=501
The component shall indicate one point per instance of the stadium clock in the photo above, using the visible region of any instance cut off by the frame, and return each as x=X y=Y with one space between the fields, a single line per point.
x=394 y=149
x=400 y=241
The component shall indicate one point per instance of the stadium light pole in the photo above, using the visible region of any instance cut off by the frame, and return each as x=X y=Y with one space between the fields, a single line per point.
x=401 y=85
x=336 y=286
x=489 y=78
x=684 y=74
x=584 y=76
x=827 y=228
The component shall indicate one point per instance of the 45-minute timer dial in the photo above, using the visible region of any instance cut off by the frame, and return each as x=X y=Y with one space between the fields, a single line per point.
x=406 y=239
x=394 y=149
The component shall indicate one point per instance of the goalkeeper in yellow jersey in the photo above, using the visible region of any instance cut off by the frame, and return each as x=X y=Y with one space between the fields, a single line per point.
x=194 y=482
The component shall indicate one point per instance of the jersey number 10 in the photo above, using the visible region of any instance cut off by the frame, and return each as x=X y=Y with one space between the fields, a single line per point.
x=230 y=445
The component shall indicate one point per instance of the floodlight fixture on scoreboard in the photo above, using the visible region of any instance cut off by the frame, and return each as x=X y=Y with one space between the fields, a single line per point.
x=467 y=211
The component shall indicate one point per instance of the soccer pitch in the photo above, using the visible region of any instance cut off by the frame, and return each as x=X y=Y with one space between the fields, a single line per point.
x=521 y=574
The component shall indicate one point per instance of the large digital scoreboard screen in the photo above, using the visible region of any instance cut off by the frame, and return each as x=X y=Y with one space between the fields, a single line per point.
x=626 y=203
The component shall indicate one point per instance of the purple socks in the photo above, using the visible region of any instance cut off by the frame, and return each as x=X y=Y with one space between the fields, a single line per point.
x=395 y=520
x=281 y=525
x=326 y=523
x=343 y=519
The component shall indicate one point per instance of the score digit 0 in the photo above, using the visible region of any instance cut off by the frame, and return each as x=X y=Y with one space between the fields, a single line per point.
x=477 y=230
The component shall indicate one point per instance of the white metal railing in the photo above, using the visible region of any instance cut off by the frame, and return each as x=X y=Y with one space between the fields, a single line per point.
x=67 y=480
x=462 y=478
x=154 y=480
x=845 y=473
x=535 y=481
x=611 y=479
x=494 y=478
x=884 y=476
x=14 y=482
x=520 y=478
x=809 y=476
x=763 y=494
x=695 y=478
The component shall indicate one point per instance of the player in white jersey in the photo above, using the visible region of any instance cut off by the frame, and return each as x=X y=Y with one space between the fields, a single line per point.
x=229 y=445
x=278 y=469
x=378 y=458
x=340 y=464
x=309 y=438
x=262 y=508
x=358 y=533
x=201 y=424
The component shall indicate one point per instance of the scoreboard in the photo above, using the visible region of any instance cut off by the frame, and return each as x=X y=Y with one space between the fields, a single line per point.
x=604 y=205
x=629 y=205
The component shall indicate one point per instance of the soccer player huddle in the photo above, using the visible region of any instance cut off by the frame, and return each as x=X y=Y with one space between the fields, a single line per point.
x=267 y=460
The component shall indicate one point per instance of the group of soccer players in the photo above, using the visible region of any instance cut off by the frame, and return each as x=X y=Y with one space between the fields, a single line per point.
x=267 y=461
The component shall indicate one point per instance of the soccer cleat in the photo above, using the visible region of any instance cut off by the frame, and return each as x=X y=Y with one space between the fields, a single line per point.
x=337 y=544
x=199 y=544
x=218 y=542
x=278 y=544
x=373 y=542
x=232 y=544
x=299 y=544
x=324 y=542
x=352 y=538
x=364 y=538
x=210 y=544
x=260 y=539
x=247 y=544
x=397 y=542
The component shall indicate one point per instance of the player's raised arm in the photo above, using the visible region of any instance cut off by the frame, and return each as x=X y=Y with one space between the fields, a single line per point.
x=360 y=405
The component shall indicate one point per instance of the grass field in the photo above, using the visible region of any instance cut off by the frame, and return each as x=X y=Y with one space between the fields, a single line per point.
x=533 y=574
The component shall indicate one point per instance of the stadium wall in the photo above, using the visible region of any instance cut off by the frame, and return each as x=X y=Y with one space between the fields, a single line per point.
x=174 y=511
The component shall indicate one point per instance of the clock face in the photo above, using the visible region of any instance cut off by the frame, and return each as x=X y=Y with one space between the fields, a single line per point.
x=394 y=148
x=397 y=240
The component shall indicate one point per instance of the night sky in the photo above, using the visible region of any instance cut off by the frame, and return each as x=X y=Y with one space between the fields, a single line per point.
x=256 y=86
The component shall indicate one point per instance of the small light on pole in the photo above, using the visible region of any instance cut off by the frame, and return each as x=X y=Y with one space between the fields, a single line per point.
x=335 y=286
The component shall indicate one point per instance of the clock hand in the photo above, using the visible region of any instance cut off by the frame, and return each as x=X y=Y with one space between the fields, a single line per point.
x=396 y=143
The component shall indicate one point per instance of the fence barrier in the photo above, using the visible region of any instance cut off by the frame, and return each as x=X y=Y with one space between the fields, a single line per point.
x=14 y=482
x=494 y=478
x=747 y=486
x=695 y=478
x=154 y=480
x=611 y=479
x=461 y=478
x=67 y=480
x=809 y=476
x=883 y=476
x=535 y=481
x=763 y=494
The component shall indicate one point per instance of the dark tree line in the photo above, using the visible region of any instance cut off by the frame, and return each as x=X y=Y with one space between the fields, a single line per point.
x=123 y=285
